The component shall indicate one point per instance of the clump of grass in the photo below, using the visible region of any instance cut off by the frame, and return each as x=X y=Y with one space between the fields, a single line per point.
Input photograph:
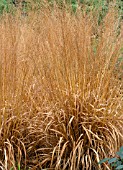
x=61 y=101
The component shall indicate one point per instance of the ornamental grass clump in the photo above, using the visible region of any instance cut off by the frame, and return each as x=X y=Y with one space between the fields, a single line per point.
x=61 y=102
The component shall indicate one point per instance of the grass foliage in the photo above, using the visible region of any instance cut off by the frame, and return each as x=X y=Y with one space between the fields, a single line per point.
x=61 y=104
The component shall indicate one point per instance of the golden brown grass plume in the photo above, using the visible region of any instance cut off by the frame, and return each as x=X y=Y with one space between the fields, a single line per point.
x=61 y=104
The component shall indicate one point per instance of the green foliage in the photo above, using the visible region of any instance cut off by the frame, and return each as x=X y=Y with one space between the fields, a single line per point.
x=6 y=6
x=120 y=8
x=98 y=7
x=115 y=162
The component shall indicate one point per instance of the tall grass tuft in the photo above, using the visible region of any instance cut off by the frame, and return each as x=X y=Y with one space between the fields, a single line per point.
x=61 y=102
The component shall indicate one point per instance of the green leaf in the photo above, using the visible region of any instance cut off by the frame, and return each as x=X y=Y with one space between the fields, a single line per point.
x=121 y=149
x=119 y=163
x=120 y=167
x=11 y=168
x=120 y=154
x=114 y=165
x=18 y=167
x=103 y=160
x=112 y=160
